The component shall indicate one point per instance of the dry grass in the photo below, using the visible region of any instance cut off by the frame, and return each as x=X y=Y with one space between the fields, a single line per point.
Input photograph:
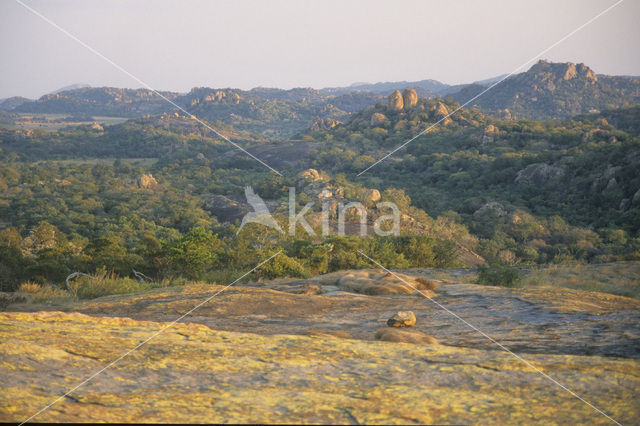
x=622 y=279
x=104 y=283
x=36 y=293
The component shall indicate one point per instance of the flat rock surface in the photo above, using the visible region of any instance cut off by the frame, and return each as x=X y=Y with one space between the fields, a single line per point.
x=273 y=352
x=537 y=320
x=190 y=373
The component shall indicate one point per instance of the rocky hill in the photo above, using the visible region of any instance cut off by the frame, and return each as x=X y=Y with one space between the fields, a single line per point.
x=275 y=113
x=547 y=90
x=554 y=90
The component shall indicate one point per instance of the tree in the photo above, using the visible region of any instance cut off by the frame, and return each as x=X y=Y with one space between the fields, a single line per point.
x=195 y=252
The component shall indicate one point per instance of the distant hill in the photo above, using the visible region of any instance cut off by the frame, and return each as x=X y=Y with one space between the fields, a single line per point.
x=13 y=102
x=275 y=113
x=554 y=90
x=424 y=88
x=107 y=101
x=547 y=90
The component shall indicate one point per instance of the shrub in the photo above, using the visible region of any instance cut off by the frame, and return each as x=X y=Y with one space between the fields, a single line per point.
x=282 y=266
x=504 y=276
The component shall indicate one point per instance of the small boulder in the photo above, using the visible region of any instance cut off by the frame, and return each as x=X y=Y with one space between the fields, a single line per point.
x=377 y=118
x=402 y=124
x=402 y=319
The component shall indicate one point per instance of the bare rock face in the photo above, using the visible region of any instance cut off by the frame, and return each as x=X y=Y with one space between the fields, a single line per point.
x=395 y=102
x=441 y=112
x=308 y=176
x=147 y=182
x=539 y=174
x=409 y=98
x=587 y=72
x=636 y=198
x=377 y=118
x=570 y=71
x=404 y=336
x=402 y=319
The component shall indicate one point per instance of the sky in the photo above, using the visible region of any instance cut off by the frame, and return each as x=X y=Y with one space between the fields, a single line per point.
x=177 y=45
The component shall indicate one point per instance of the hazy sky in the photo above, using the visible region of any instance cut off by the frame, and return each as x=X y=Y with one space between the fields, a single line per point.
x=176 y=45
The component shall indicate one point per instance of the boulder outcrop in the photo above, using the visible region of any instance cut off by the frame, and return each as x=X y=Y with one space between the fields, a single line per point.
x=409 y=98
x=395 y=101
x=147 y=182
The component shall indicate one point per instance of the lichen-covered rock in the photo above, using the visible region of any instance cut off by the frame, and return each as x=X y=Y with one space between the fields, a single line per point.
x=395 y=101
x=188 y=370
x=402 y=319
x=409 y=98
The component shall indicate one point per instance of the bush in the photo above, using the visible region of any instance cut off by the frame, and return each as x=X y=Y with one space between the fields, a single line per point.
x=281 y=266
x=504 y=276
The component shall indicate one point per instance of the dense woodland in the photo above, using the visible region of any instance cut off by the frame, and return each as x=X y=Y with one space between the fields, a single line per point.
x=137 y=195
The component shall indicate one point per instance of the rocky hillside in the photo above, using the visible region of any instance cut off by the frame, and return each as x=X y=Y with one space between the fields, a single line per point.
x=554 y=90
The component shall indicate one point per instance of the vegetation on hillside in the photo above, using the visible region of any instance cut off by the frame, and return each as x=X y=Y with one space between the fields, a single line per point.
x=163 y=194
